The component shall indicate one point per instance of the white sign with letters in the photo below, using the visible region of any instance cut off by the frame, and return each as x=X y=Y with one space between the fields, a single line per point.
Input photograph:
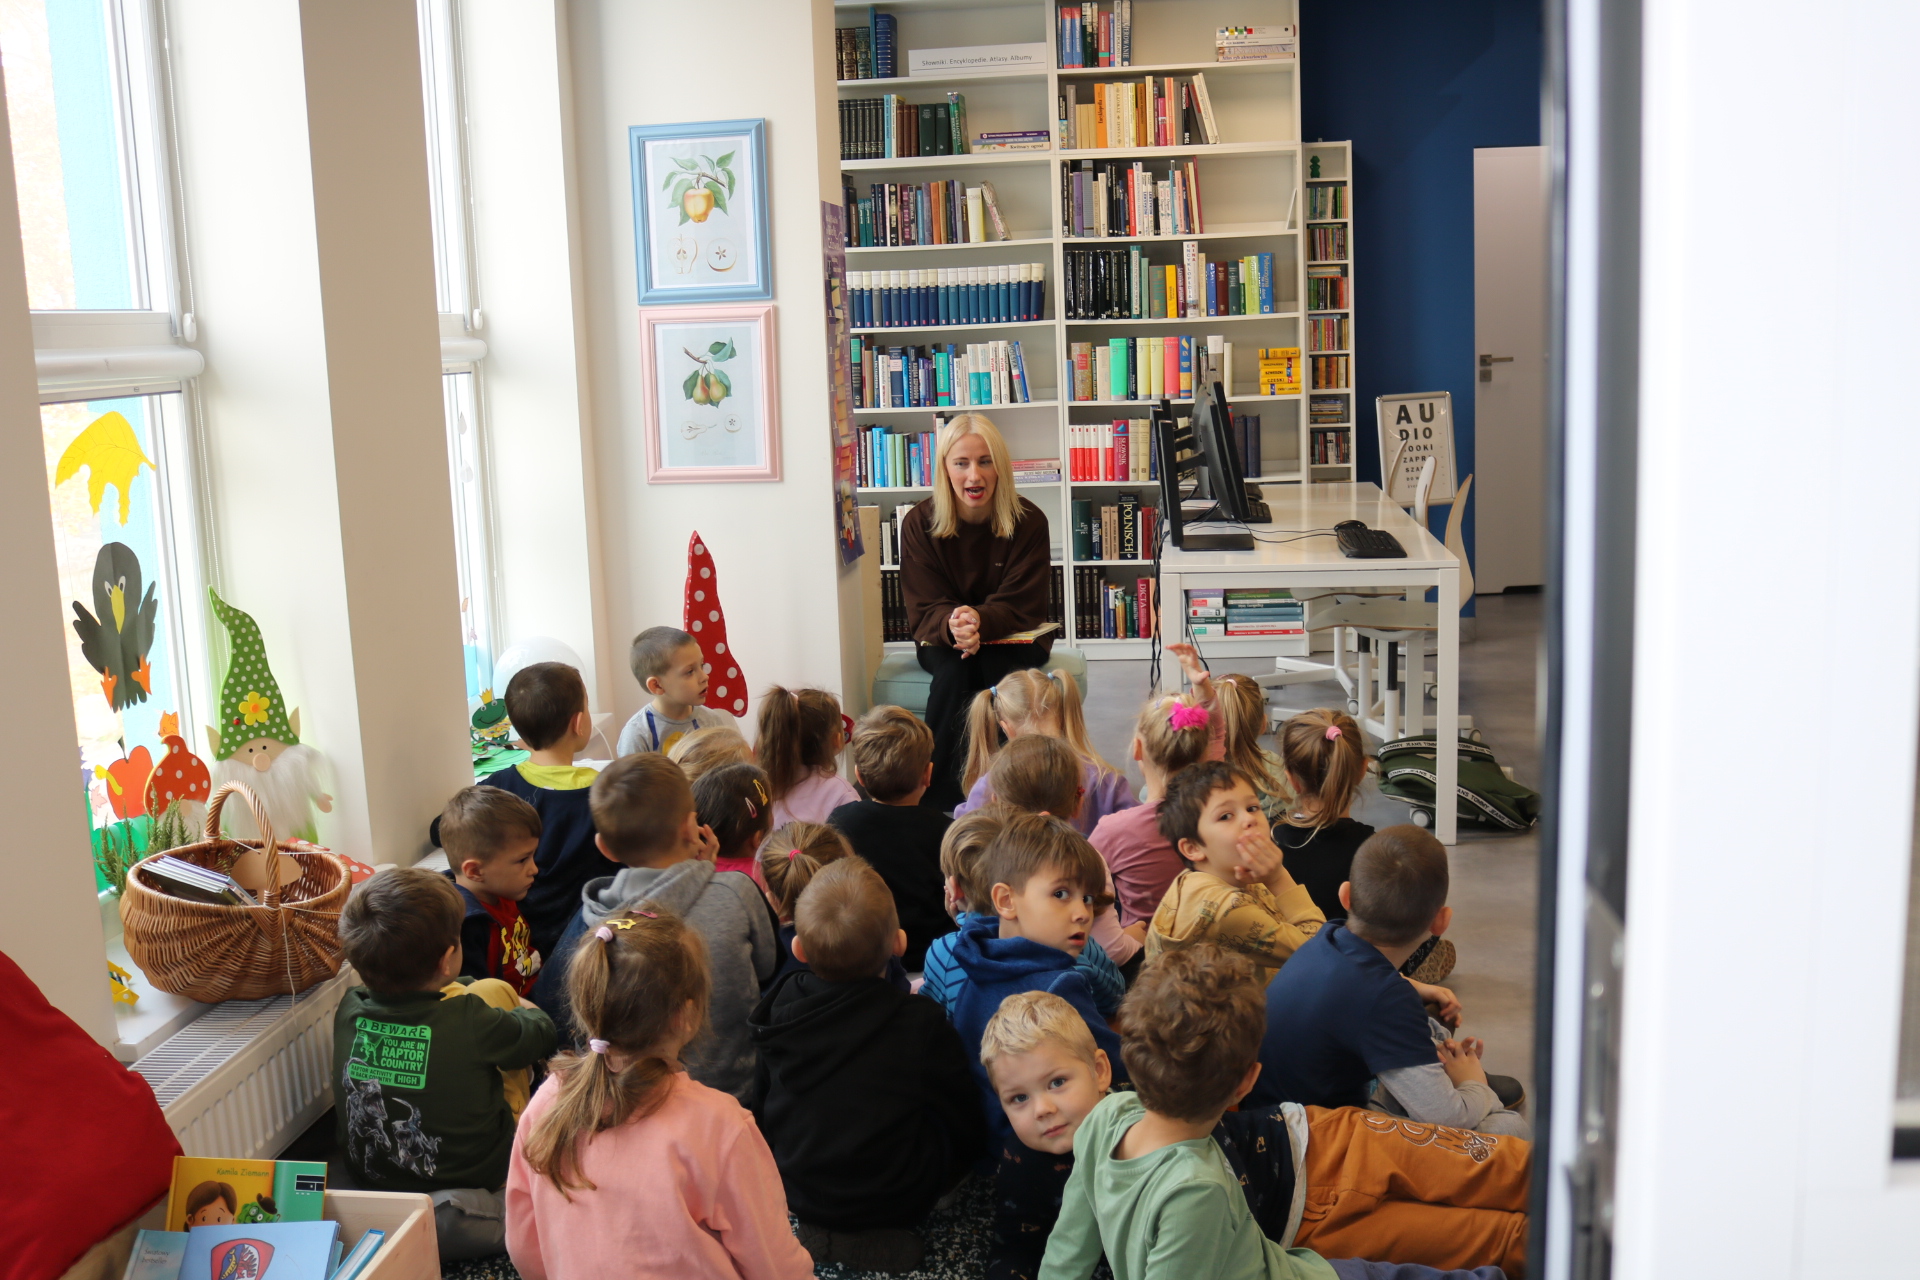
x=1413 y=428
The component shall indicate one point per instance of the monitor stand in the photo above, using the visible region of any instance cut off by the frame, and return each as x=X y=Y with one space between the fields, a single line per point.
x=1214 y=541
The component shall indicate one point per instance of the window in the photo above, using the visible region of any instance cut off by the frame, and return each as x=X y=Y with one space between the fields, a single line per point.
x=129 y=581
x=81 y=97
x=471 y=528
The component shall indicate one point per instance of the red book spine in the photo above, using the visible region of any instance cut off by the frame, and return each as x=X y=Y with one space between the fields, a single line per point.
x=1119 y=450
x=1144 y=586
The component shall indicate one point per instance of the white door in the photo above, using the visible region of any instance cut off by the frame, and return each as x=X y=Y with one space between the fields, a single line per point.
x=1510 y=342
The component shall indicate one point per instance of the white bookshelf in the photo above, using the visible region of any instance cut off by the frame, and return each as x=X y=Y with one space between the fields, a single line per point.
x=1252 y=189
x=1330 y=169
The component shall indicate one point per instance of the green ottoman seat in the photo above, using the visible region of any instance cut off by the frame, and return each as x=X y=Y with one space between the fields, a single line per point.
x=902 y=682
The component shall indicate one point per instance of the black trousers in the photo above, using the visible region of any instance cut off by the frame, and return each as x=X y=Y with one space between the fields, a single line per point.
x=956 y=679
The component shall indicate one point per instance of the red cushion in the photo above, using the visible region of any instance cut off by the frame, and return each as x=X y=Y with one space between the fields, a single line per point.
x=87 y=1149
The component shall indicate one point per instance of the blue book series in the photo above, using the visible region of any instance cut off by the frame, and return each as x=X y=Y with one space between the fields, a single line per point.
x=157 y=1255
x=260 y=1251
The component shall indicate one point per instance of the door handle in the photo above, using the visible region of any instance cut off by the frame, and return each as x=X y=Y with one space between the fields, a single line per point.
x=1487 y=360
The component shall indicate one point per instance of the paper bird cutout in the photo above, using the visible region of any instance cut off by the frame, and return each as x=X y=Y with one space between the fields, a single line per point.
x=111 y=453
x=115 y=642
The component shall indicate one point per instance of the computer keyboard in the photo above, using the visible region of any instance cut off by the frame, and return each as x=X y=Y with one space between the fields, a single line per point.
x=1258 y=512
x=1358 y=542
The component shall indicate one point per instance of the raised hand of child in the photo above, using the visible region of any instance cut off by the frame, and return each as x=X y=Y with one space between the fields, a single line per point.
x=706 y=844
x=1461 y=1058
x=1195 y=671
x=1442 y=1005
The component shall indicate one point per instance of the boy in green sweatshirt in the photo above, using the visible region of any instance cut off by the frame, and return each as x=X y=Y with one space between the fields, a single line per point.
x=421 y=1103
x=1150 y=1188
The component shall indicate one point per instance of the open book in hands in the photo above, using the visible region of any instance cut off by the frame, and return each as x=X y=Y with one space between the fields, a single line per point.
x=1026 y=637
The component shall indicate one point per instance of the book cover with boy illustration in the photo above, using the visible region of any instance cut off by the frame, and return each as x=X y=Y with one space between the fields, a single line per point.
x=211 y=1192
x=260 y=1251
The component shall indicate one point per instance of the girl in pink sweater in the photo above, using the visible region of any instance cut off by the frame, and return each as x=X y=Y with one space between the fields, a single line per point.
x=623 y=1165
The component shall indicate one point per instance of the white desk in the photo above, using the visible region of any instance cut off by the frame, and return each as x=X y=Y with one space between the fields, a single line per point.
x=1317 y=562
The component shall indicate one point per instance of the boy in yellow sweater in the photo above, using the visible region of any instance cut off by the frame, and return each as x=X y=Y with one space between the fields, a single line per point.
x=1236 y=890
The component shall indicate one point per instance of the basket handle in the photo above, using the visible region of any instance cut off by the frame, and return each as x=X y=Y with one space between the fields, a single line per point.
x=260 y=820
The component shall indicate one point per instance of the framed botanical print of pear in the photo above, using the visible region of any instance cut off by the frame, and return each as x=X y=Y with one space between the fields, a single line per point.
x=700 y=212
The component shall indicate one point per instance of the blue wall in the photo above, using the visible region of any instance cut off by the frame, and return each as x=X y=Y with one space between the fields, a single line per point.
x=1417 y=85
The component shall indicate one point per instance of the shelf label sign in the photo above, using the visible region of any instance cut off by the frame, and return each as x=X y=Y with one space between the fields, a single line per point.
x=1414 y=427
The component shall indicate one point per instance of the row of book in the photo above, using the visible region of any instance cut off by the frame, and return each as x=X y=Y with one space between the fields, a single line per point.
x=1121 y=451
x=1328 y=243
x=1331 y=371
x=893 y=604
x=1330 y=447
x=1245 y=611
x=1245 y=428
x=1326 y=201
x=1119 y=530
x=1327 y=290
x=1112 y=610
x=1107 y=198
x=1154 y=111
x=871 y=52
x=1139 y=368
x=888 y=127
x=179 y=878
x=939 y=375
x=1003 y=294
x=887 y=459
x=1327 y=333
x=1327 y=409
x=230 y=1217
x=1256 y=44
x=1126 y=284
x=908 y=213
x=1092 y=37
x=1279 y=371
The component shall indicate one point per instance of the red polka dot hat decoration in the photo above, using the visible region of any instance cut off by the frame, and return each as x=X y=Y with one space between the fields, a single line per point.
x=707 y=622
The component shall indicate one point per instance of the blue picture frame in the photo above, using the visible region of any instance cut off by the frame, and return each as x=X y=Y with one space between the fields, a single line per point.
x=700 y=212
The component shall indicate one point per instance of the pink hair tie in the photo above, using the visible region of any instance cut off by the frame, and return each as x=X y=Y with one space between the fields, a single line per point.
x=598 y=1046
x=792 y=854
x=603 y=933
x=1186 y=717
x=1333 y=733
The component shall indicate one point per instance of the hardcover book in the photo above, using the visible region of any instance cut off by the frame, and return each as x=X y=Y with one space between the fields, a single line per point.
x=260 y=1251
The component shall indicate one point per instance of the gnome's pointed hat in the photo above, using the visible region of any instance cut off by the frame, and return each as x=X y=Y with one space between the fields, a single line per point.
x=250 y=702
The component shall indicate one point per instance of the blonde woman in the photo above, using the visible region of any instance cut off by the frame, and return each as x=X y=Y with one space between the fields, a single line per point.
x=974 y=568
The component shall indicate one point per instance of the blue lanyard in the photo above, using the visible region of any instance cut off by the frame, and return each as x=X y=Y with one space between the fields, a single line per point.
x=693 y=718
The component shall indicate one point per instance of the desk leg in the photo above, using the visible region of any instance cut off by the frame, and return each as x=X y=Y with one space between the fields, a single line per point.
x=1173 y=613
x=1447 y=710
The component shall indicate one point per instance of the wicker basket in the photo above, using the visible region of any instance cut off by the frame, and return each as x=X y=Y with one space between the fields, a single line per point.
x=211 y=952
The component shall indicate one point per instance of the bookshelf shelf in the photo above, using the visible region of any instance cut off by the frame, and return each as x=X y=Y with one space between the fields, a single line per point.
x=1258 y=195
x=1329 y=168
x=1202 y=320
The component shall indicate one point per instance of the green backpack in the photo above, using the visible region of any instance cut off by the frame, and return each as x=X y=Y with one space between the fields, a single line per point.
x=1487 y=796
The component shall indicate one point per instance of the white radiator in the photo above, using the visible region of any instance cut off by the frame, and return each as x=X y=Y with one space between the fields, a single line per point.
x=248 y=1076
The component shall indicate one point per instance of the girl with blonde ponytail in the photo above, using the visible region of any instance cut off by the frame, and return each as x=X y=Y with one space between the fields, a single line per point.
x=1047 y=703
x=586 y=1192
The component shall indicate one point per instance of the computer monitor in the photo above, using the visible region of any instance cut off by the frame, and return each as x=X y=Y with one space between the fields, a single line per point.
x=1224 y=471
x=1170 y=441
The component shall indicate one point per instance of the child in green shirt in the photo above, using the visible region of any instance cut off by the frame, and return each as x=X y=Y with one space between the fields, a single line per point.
x=1150 y=1188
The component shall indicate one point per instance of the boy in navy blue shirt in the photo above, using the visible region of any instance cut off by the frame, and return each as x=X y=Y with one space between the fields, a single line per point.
x=1340 y=1015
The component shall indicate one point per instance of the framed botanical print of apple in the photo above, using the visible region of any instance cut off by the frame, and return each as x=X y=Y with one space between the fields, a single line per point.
x=700 y=212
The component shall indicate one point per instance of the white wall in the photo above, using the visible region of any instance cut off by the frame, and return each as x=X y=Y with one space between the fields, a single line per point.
x=638 y=62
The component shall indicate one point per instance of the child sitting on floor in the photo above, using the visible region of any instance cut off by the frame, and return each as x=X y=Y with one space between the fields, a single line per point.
x=1242 y=705
x=1037 y=774
x=547 y=703
x=1048 y=704
x=1171 y=733
x=491 y=837
x=647 y=825
x=961 y=856
x=1235 y=890
x=1345 y=1016
x=422 y=1103
x=866 y=1099
x=704 y=750
x=733 y=802
x=625 y=1165
x=669 y=665
x=789 y=860
x=1166 y=1183
x=1326 y=762
x=801 y=735
x=897 y=835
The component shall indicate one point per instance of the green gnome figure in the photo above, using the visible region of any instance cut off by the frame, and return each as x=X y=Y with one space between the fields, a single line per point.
x=257 y=741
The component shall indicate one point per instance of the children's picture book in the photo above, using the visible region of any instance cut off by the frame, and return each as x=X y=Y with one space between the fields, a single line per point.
x=260 y=1251
x=361 y=1257
x=157 y=1255
x=209 y=1192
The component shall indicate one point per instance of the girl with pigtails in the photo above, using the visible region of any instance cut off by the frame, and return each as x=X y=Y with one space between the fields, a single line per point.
x=623 y=1164
x=1045 y=703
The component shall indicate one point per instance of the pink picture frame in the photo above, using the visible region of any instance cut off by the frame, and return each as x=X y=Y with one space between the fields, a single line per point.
x=710 y=376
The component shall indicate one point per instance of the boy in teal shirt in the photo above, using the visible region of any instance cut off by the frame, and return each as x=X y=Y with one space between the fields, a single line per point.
x=1150 y=1188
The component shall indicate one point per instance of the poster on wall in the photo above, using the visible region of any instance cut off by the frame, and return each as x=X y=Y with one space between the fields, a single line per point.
x=1414 y=427
x=846 y=509
x=700 y=212
x=709 y=377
